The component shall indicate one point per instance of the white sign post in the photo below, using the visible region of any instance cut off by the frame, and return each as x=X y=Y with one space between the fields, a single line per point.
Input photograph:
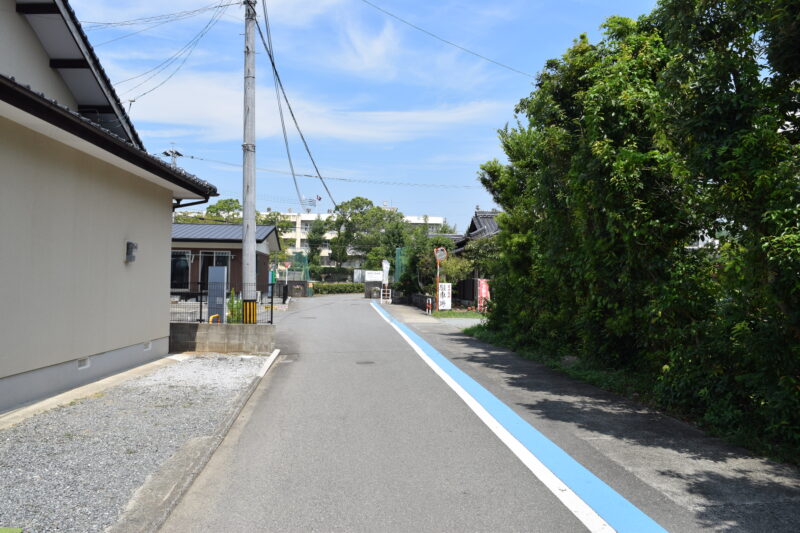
x=445 y=296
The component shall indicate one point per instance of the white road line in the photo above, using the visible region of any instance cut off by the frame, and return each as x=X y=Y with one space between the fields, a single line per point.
x=571 y=501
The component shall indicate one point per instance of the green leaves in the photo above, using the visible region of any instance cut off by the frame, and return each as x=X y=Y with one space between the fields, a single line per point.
x=684 y=123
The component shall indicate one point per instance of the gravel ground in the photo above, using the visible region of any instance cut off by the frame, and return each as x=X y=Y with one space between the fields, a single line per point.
x=75 y=467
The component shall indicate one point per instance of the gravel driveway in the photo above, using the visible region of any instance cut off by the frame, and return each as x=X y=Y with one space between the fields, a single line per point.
x=74 y=468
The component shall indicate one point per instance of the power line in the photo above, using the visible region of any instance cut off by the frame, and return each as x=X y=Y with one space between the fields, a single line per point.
x=270 y=52
x=431 y=34
x=167 y=17
x=131 y=34
x=286 y=98
x=350 y=180
x=185 y=51
x=189 y=45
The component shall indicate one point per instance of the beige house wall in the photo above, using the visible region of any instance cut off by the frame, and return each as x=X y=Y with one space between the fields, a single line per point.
x=22 y=56
x=65 y=290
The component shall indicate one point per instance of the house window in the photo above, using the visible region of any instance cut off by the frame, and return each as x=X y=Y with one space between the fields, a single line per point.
x=215 y=258
x=179 y=277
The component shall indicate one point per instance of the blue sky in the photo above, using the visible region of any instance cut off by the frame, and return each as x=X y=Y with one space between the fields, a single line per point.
x=377 y=100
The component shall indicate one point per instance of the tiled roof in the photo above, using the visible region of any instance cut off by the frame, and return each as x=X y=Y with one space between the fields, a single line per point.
x=42 y=107
x=483 y=224
x=216 y=232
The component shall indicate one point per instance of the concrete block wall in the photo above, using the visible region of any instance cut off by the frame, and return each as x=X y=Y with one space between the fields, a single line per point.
x=221 y=338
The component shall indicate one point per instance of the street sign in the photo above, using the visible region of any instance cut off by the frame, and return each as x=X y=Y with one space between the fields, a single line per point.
x=287 y=264
x=440 y=253
x=445 y=296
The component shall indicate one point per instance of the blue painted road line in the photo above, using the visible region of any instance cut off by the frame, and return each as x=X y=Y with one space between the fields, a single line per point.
x=616 y=511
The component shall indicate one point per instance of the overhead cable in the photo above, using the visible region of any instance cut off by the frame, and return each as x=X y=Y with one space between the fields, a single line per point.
x=166 y=17
x=190 y=45
x=431 y=34
x=268 y=46
x=286 y=99
x=185 y=52
x=350 y=180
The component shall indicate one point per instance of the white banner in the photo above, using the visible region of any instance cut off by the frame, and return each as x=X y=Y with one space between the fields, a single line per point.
x=445 y=296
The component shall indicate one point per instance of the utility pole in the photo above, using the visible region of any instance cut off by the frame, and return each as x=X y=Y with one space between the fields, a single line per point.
x=173 y=154
x=249 y=165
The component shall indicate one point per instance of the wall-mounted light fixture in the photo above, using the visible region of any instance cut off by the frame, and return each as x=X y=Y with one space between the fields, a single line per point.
x=130 y=251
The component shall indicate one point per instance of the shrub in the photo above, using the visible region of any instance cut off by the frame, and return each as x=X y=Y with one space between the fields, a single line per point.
x=338 y=288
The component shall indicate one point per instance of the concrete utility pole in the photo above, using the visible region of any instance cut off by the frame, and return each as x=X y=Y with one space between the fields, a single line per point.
x=249 y=154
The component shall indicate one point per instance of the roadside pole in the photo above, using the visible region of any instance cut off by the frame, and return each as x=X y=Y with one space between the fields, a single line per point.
x=249 y=168
x=440 y=254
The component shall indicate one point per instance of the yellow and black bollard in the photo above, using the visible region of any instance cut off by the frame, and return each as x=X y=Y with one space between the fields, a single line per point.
x=249 y=312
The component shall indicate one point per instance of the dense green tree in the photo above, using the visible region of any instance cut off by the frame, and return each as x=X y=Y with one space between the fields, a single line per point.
x=652 y=200
x=228 y=210
x=316 y=239
x=368 y=231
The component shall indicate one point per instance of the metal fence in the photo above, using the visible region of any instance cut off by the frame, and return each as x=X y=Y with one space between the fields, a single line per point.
x=215 y=302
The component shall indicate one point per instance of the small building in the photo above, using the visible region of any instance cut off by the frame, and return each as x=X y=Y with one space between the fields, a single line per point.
x=84 y=214
x=195 y=247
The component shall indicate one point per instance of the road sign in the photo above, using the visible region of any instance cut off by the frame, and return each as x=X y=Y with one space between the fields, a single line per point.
x=287 y=264
x=440 y=254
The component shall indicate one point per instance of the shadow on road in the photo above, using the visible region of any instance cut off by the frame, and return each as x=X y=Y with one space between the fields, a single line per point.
x=730 y=490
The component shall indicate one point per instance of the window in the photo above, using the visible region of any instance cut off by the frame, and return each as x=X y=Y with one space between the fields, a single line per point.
x=209 y=259
x=179 y=277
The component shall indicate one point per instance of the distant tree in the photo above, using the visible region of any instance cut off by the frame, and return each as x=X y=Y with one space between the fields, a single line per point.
x=228 y=211
x=284 y=226
x=455 y=269
x=447 y=229
x=339 y=253
x=368 y=231
x=316 y=238
x=484 y=254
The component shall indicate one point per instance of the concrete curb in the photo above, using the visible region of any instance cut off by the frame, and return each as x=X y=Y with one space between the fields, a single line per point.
x=153 y=502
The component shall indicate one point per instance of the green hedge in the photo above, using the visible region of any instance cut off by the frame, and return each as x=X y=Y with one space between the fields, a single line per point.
x=338 y=288
x=650 y=217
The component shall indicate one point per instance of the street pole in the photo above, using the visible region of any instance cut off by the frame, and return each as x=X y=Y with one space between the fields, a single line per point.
x=249 y=308
x=249 y=155
x=437 y=284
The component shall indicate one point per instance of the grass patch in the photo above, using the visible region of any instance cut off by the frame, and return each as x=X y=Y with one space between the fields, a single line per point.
x=454 y=313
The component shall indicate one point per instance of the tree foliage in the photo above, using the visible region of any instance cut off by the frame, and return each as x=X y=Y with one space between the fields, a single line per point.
x=674 y=130
x=316 y=238
x=367 y=231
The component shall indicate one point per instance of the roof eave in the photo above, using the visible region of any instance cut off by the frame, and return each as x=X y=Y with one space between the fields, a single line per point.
x=63 y=119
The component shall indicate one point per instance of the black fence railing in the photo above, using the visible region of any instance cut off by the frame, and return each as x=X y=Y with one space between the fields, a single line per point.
x=215 y=302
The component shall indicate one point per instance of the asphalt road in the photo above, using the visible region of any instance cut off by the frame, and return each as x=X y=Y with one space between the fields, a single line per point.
x=352 y=431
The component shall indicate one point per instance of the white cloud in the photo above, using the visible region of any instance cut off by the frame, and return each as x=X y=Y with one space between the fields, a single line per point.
x=210 y=106
x=363 y=52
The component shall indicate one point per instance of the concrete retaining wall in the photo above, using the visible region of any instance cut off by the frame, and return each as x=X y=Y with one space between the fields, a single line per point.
x=221 y=338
